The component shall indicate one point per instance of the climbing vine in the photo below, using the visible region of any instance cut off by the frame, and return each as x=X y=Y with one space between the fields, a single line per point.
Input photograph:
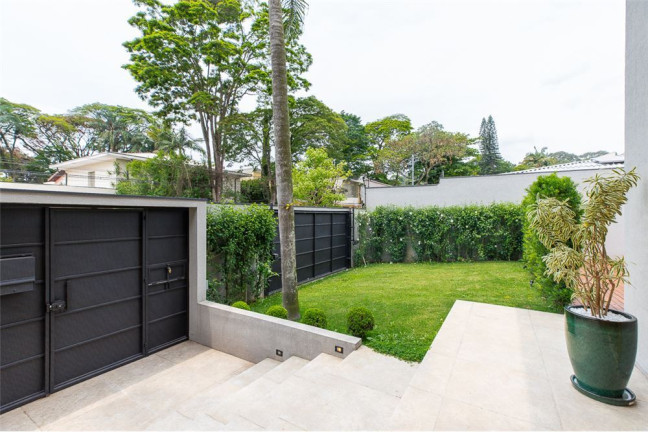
x=479 y=233
x=239 y=243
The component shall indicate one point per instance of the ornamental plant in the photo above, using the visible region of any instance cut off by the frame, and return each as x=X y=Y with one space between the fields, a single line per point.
x=277 y=312
x=562 y=188
x=360 y=321
x=577 y=254
x=315 y=317
x=241 y=305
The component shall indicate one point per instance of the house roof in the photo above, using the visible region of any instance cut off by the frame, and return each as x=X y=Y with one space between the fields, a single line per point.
x=108 y=156
x=610 y=160
x=101 y=157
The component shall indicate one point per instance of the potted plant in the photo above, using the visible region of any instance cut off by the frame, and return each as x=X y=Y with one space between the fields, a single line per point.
x=602 y=342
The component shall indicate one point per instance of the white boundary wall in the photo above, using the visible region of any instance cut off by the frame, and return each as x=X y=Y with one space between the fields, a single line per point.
x=636 y=144
x=459 y=191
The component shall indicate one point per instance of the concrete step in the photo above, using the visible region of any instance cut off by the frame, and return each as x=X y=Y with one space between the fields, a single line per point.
x=212 y=397
x=317 y=397
x=377 y=371
x=253 y=396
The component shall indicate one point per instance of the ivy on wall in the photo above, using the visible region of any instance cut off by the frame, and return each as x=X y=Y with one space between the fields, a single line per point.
x=477 y=233
x=239 y=245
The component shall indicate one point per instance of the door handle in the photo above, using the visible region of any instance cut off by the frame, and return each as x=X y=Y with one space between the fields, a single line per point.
x=57 y=306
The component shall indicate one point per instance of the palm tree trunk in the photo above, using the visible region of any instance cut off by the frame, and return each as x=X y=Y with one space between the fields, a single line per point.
x=283 y=161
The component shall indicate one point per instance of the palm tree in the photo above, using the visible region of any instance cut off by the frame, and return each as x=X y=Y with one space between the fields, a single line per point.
x=283 y=156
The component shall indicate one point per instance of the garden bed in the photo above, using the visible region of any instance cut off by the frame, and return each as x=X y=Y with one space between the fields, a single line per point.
x=411 y=301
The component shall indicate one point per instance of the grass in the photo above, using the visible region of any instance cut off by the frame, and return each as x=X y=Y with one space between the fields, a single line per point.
x=410 y=301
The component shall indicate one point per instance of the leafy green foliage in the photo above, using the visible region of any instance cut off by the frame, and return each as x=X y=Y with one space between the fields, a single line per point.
x=564 y=189
x=166 y=174
x=241 y=305
x=411 y=301
x=313 y=124
x=314 y=317
x=577 y=254
x=277 y=312
x=254 y=191
x=443 y=234
x=430 y=146
x=239 y=245
x=491 y=161
x=315 y=179
x=360 y=321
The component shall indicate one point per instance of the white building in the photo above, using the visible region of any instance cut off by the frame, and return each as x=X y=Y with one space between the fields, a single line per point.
x=100 y=171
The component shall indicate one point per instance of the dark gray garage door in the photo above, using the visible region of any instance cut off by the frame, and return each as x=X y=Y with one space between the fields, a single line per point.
x=84 y=291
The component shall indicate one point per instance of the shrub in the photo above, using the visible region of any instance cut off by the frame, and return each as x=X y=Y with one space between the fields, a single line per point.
x=277 y=312
x=241 y=305
x=254 y=191
x=551 y=186
x=360 y=321
x=239 y=243
x=315 y=317
x=442 y=234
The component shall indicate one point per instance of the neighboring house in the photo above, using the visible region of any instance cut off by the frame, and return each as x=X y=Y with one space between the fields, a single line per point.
x=610 y=160
x=253 y=173
x=355 y=190
x=99 y=171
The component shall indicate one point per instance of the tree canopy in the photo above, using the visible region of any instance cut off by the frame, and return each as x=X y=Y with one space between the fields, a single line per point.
x=316 y=179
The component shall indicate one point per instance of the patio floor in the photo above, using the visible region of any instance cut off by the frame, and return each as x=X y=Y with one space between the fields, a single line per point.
x=489 y=368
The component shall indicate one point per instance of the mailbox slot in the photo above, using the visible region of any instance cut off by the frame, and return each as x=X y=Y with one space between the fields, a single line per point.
x=17 y=274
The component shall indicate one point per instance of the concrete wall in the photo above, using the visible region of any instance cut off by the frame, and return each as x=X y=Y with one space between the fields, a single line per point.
x=254 y=337
x=485 y=190
x=636 y=151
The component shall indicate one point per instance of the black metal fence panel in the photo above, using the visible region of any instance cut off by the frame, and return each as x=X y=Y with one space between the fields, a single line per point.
x=322 y=242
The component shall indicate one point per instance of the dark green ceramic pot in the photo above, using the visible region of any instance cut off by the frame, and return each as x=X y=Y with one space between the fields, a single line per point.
x=602 y=354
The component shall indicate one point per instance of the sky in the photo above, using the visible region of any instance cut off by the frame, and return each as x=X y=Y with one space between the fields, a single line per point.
x=551 y=73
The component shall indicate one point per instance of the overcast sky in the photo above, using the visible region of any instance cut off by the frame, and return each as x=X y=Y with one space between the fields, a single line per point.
x=549 y=72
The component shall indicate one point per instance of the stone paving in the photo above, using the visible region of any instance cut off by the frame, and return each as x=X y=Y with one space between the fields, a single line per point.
x=489 y=368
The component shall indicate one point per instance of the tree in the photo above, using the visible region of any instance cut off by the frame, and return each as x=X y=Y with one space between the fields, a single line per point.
x=536 y=159
x=355 y=147
x=491 y=159
x=430 y=146
x=283 y=154
x=381 y=131
x=316 y=177
x=116 y=128
x=196 y=59
x=166 y=139
x=166 y=174
x=17 y=127
x=313 y=124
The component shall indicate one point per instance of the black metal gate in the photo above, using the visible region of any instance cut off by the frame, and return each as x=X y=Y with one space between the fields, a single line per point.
x=323 y=244
x=84 y=291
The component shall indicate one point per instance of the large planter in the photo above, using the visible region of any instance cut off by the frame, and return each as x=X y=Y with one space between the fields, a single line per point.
x=602 y=354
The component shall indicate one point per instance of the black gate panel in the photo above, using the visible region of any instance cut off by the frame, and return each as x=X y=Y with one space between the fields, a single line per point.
x=322 y=243
x=96 y=292
x=22 y=306
x=167 y=315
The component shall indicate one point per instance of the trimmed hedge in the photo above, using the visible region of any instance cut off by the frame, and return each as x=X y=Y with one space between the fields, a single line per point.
x=443 y=234
x=241 y=305
x=315 y=317
x=360 y=321
x=277 y=312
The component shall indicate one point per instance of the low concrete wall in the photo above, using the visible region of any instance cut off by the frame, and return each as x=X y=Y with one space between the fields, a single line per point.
x=255 y=337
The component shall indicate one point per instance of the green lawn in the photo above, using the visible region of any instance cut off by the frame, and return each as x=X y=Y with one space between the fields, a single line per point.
x=410 y=301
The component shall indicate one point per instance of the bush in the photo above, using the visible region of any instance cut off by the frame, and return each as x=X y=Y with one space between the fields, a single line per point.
x=360 y=321
x=254 y=191
x=277 y=312
x=442 y=234
x=239 y=244
x=315 y=317
x=241 y=305
x=551 y=186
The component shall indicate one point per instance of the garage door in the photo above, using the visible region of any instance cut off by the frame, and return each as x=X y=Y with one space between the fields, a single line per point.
x=86 y=290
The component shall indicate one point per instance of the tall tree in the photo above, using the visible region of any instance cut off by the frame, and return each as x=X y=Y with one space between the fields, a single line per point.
x=196 y=59
x=536 y=159
x=283 y=154
x=313 y=124
x=380 y=132
x=491 y=159
x=17 y=127
x=355 y=148
x=316 y=179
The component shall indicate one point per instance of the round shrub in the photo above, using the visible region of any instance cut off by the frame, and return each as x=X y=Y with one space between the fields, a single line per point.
x=360 y=321
x=241 y=305
x=277 y=311
x=315 y=317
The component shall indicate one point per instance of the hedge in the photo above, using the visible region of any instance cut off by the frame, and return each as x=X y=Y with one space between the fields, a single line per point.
x=442 y=234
